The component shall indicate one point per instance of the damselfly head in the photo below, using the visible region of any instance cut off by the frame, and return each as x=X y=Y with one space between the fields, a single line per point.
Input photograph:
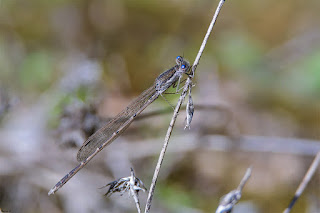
x=184 y=67
x=182 y=64
x=179 y=60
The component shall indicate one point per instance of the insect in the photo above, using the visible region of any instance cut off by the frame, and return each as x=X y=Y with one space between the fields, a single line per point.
x=108 y=133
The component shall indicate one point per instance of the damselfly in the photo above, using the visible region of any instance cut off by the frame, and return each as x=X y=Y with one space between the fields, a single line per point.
x=104 y=136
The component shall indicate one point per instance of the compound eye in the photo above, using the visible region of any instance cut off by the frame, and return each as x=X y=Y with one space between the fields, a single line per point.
x=179 y=60
x=183 y=66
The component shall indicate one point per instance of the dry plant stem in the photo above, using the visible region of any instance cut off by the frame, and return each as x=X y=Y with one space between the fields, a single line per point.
x=164 y=148
x=177 y=108
x=204 y=42
x=244 y=179
x=133 y=192
x=304 y=183
x=135 y=197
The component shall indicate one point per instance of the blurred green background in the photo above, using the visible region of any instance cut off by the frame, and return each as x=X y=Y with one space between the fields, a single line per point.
x=262 y=63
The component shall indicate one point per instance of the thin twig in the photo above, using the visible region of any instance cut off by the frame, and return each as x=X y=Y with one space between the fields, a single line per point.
x=229 y=200
x=304 y=182
x=187 y=85
x=164 y=148
x=221 y=108
x=244 y=179
x=204 y=42
x=222 y=143
x=133 y=191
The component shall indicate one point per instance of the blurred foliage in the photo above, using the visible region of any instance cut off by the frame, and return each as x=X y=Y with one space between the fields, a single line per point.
x=176 y=197
x=36 y=64
x=80 y=95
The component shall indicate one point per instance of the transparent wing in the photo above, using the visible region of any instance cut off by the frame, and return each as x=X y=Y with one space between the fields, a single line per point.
x=118 y=124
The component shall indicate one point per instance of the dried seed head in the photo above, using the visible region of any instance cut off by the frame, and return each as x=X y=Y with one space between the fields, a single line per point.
x=189 y=110
x=125 y=184
x=228 y=201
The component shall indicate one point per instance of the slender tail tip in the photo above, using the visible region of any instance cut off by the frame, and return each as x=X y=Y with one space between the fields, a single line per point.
x=51 y=191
